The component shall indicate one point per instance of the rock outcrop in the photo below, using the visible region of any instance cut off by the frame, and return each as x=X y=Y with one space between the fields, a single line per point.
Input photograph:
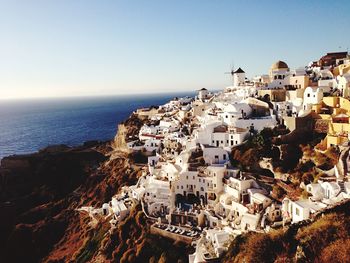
x=120 y=138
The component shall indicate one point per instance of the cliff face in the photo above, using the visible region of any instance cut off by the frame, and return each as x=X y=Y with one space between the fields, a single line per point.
x=120 y=138
x=40 y=194
x=129 y=129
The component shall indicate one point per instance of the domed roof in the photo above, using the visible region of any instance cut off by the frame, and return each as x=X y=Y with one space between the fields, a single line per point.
x=279 y=65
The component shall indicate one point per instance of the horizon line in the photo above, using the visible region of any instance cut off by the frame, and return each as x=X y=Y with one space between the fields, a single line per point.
x=100 y=95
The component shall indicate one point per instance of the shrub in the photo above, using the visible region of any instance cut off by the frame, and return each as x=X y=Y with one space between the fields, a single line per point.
x=278 y=191
x=336 y=252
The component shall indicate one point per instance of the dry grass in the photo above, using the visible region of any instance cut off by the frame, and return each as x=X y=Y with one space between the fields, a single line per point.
x=325 y=240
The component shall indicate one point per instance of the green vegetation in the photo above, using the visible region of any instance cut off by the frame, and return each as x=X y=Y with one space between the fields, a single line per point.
x=261 y=145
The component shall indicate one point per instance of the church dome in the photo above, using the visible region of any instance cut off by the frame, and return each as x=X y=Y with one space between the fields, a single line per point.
x=279 y=65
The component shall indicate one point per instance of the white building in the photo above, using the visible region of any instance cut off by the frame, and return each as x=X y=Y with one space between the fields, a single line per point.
x=238 y=77
x=152 y=144
x=157 y=194
x=299 y=210
x=206 y=185
x=344 y=84
x=119 y=209
x=225 y=136
x=204 y=94
x=233 y=111
x=312 y=95
x=214 y=155
x=329 y=192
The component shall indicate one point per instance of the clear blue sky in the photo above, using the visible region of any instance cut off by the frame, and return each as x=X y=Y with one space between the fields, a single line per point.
x=70 y=47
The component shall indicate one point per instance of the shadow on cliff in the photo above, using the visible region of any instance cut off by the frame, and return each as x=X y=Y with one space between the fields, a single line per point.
x=38 y=194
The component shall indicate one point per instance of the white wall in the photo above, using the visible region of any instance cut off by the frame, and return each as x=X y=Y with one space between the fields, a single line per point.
x=213 y=155
x=313 y=95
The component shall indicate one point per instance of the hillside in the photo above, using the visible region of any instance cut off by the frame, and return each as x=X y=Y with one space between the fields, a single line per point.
x=41 y=192
x=325 y=240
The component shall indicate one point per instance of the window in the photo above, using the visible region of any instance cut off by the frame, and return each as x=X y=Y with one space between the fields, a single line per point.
x=187 y=177
x=308 y=95
x=213 y=141
x=177 y=187
x=224 y=156
x=193 y=177
x=297 y=212
x=222 y=141
x=216 y=156
x=182 y=187
x=214 y=185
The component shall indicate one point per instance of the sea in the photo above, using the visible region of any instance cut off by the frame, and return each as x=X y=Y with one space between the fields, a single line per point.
x=32 y=124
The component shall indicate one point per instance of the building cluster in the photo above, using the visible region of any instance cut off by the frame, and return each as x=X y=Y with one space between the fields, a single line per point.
x=191 y=190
